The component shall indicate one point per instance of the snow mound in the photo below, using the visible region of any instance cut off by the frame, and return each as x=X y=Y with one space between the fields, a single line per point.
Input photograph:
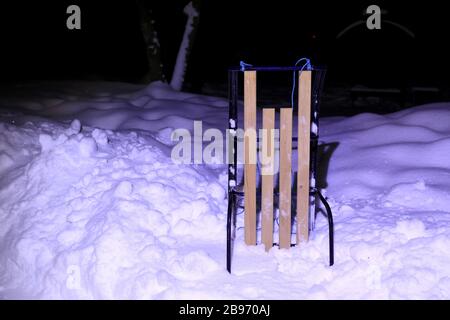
x=118 y=106
x=92 y=215
x=378 y=154
x=418 y=196
x=92 y=206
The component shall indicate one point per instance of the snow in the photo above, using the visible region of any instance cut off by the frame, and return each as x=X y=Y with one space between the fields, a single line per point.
x=92 y=206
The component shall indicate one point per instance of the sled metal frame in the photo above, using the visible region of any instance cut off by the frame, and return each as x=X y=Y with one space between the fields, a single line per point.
x=314 y=83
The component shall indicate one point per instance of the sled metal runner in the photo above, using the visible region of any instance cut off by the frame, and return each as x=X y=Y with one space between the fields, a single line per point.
x=305 y=195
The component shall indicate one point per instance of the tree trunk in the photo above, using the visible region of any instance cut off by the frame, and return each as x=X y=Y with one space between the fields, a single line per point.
x=155 y=67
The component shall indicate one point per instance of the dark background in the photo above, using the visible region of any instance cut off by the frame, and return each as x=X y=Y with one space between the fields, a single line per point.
x=35 y=43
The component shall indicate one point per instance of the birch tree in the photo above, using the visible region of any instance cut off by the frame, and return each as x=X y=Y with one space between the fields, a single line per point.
x=179 y=71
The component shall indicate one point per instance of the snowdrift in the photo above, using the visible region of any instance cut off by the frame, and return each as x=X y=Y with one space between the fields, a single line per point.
x=91 y=205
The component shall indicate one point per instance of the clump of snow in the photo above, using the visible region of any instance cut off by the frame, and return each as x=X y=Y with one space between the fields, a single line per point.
x=418 y=196
x=88 y=146
x=47 y=142
x=100 y=136
x=95 y=207
x=75 y=127
x=411 y=228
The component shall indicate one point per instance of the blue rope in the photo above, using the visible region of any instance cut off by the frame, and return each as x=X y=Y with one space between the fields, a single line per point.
x=244 y=65
x=306 y=65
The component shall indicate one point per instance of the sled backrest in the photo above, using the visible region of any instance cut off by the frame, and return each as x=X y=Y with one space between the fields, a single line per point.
x=306 y=196
x=285 y=165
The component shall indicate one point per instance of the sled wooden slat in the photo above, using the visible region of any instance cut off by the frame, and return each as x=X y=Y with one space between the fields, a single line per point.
x=250 y=156
x=267 y=171
x=285 y=177
x=304 y=127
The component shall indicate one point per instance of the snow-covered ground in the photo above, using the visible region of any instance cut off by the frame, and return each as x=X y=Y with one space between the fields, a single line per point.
x=92 y=206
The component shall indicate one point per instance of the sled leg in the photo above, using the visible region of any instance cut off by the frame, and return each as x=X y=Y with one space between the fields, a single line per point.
x=330 y=226
x=230 y=225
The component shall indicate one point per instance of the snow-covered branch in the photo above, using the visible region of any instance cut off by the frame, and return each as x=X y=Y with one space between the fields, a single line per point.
x=180 y=66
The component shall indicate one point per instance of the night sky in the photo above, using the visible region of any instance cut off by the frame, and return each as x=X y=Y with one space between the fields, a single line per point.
x=35 y=43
